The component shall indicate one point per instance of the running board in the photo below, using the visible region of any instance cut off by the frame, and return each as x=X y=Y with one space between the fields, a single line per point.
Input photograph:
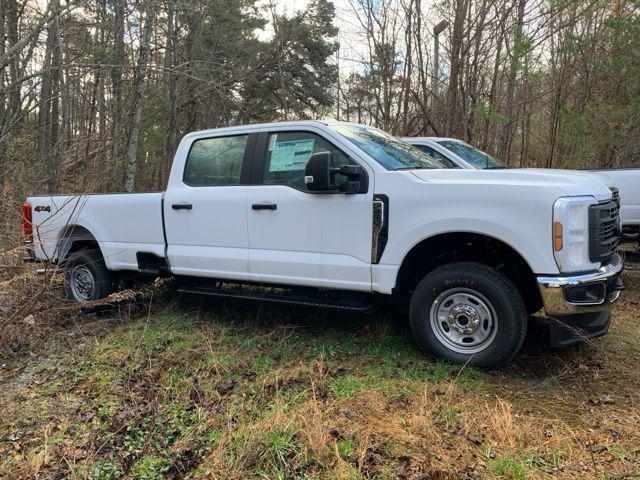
x=283 y=298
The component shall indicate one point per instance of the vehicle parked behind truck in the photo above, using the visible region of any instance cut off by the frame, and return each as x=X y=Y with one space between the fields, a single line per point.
x=458 y=154
x=337 y=215
x=627 y=181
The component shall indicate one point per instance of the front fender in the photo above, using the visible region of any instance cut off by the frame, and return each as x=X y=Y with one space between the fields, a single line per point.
x=539 y=257
x=386 y=272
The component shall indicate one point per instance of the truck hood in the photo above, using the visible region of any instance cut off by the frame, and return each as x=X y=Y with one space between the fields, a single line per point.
x=565 y=182
x=603 y=178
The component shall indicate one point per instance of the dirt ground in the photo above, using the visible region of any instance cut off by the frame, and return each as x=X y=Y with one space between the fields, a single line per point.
x=178 y=387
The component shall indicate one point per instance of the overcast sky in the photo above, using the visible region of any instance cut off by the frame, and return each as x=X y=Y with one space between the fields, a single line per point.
x=352 y=46
x=352 y=40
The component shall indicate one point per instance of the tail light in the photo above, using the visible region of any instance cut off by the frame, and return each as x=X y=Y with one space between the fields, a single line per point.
x=27 y=219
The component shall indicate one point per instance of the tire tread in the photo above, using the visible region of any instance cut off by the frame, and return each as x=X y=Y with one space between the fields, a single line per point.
x=501 y=353
x=105 y=279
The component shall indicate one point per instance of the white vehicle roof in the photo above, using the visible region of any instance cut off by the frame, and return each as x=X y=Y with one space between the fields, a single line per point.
x=259 y=126
x=432 y=139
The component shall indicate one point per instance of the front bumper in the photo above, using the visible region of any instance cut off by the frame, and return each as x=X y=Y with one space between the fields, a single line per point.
x=584 y=293
x=579 y=306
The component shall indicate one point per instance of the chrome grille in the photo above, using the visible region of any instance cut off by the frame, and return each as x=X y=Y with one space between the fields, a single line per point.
x=604 y=228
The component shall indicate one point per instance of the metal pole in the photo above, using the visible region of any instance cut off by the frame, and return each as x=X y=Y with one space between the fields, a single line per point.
x=338 y=69
x=437 y=30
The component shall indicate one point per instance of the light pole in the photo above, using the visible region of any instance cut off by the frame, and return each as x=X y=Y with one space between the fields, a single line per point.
x=437 y=30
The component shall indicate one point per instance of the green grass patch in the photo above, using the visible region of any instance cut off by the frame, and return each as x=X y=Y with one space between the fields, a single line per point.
x=230 y=389
x=508 y=468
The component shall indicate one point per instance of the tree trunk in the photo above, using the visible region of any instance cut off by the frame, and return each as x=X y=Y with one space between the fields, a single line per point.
x=15 y=104
x=57 y=95
x=493 y=91
x=139 y=87
x=456 y=47
x=3 y=16
x=3 y=117
x=191 y=103
x=170 y=81
x=44 y=110
x=507 y=131
x=116 y=87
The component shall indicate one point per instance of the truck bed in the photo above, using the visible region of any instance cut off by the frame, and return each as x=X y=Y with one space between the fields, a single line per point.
x=124 y=223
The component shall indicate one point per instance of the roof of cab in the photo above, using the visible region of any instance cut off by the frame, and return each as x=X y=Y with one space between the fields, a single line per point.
x=292 y=123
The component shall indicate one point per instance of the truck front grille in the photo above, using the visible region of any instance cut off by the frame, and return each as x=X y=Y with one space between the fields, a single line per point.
x=604 y=229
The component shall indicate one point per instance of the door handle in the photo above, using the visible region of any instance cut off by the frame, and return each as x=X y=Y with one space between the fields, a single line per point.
x=182 y=206
x=264 y=206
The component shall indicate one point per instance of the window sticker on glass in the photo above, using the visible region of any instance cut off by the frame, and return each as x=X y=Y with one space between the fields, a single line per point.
x=291 y=155
x=272 y=141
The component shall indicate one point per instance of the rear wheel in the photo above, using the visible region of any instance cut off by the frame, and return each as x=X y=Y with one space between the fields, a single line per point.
x=87 y=277
x=468 y=313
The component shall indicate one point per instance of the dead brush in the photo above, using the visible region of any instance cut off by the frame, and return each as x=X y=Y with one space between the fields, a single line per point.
x=33 y=306
x=314 y=432
x=30 y=304
x=288 y=378
x=501 y=422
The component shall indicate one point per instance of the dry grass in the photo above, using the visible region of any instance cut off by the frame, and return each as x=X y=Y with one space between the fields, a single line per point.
x=197 y=389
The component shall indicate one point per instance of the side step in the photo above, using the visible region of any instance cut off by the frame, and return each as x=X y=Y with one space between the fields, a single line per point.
x=317 y=301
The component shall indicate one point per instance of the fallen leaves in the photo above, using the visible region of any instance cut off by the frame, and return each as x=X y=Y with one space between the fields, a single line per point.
x=596 y=448
x=475 y=439
x=224 y=387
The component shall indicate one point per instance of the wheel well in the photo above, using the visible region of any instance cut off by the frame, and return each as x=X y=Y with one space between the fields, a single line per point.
x=75 y=238
x=464 y=246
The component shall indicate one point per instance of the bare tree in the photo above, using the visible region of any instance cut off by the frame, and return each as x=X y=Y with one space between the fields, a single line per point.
x=116 y=85
x=457 y=37
x=140 y=85
x=170 y=80
x=514 y=66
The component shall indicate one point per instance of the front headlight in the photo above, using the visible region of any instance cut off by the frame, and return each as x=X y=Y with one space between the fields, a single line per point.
x=570 y=234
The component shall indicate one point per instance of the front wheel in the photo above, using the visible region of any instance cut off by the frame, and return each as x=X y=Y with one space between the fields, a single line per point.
x=87 y=277
x=468 y=313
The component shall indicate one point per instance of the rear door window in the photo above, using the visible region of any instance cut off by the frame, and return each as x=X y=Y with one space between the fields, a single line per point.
x=215 y=161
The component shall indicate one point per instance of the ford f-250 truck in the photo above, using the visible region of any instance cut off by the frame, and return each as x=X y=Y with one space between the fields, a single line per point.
x=455 y=153
x=335 y=214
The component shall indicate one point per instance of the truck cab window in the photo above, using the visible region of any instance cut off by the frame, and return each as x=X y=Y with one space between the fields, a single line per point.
x=390 y=152
x=288 y=154
x=215 y=161
x=475 y=157
x=437 y=155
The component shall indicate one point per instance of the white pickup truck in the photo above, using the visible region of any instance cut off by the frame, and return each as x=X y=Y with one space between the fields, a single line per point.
x=627 y=181
x=455 y=153
x=334 y=215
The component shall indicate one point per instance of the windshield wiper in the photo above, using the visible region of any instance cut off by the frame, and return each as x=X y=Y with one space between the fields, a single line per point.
x=417 y=167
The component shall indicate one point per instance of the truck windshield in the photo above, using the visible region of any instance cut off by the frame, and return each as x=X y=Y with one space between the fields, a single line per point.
x=475 y=157
x=390 y=152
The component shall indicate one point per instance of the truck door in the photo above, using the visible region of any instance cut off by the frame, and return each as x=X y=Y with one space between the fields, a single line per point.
x=204 y=209
x=300 y=238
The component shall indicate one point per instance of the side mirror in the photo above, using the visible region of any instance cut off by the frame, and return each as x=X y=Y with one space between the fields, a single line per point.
x=317 y=173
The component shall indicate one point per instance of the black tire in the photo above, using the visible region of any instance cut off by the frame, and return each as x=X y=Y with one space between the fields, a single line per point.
x=88 y=262
x=499 y=297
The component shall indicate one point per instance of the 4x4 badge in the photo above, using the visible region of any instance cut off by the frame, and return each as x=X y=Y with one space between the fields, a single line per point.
x=42 y=208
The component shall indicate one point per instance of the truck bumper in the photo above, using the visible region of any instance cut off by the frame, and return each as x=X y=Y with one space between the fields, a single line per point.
x=579 y=306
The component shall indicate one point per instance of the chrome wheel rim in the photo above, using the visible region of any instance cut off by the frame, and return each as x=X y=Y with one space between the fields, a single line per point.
x=463 y=320
x=82 y=283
